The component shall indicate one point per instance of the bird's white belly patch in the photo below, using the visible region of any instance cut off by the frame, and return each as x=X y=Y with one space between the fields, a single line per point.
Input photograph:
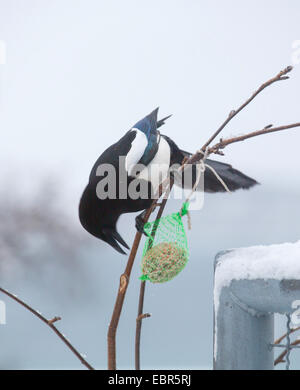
x=157 y=171
x=136 y=151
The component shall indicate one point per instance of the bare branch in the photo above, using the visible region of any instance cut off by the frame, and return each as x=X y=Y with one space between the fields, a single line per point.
x=50 y=324
x=142 y=316
x=278 y=341
x=266 y=130
x=233 y=113
x=54 y=320
x=114 y=322
x=138 y=328
x=280 y=358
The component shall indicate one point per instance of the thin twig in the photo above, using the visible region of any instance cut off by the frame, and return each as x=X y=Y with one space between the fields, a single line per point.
x=50 y=324
x=278 y=341
x=139 y=325
x=280 y=76
x=124 y=280
x=282 y=355
x=142 y=316
x=266 y=130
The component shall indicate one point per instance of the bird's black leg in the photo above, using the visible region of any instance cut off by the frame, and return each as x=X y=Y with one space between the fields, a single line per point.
x=140 y=222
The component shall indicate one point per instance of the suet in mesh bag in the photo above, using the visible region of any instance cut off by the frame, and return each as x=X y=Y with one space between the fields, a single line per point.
x=166 y=254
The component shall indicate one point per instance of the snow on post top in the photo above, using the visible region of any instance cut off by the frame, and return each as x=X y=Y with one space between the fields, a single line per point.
x=280 y=261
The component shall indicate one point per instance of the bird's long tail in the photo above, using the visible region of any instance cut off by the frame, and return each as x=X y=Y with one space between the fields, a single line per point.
x=233 y=178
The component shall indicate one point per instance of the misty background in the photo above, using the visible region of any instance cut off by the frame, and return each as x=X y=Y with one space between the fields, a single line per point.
x=77 y=75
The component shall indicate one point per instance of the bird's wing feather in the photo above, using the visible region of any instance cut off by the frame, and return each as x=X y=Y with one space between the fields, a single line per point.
x=233 y=178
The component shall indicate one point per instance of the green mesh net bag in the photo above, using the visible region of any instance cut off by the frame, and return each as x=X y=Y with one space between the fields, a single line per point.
x=166 y=251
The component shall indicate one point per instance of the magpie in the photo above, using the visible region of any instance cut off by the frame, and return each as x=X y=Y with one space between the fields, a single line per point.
x=143 y=149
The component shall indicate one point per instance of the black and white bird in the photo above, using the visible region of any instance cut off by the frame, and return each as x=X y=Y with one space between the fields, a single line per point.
x=144 y=147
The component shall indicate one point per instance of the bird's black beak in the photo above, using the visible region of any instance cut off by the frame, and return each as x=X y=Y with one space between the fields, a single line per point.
x=113 y=238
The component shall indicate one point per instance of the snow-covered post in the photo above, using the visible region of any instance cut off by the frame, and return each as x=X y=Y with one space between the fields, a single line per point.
x=251 y=284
